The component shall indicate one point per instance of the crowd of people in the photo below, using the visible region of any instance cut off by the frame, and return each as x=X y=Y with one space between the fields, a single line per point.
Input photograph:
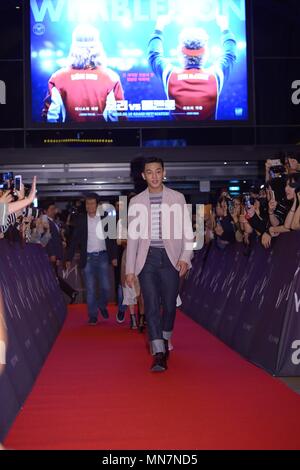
x=147 y=268
x=265 y=212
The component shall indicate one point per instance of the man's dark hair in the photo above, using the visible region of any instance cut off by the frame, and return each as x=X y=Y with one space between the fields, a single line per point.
x=136 y=169
x=149 y=160
x=92 y=196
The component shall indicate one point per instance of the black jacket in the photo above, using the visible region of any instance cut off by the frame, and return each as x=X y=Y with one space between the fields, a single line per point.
x=54 y=246
x=80 y=238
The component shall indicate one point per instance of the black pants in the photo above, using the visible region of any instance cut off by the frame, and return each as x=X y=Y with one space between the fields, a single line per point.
x=159 y=282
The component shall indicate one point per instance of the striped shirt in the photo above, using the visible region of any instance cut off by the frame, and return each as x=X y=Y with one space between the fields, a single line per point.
x=156 y=231
x=11 y=219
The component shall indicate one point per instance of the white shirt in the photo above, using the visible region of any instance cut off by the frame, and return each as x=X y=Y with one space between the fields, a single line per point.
x=95 y=241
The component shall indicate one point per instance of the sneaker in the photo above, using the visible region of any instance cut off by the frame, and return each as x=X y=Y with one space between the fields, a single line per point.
x=93 y=321
x=104 y=313
x=120 y=317
x=133 y=323
x=159 y=363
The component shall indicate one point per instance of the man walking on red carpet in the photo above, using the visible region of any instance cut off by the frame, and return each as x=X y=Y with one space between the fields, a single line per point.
x=96 y=253
x=159 y=251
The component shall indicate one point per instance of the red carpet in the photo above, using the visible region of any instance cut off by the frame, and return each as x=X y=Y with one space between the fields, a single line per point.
x=96 y=392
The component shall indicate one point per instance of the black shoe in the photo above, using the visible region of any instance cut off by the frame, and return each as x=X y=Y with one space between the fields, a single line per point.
x=74 y=297
x=120 y=317
x=133 y=324
x=159 y=363
x=104 y=313
x=166 y=343
x=92 y=321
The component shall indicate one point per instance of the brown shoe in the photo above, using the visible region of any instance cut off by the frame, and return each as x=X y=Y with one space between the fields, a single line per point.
x=159 y=362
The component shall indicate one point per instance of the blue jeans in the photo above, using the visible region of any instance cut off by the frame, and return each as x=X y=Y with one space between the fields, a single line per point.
x=96 y=272
x=159 y=282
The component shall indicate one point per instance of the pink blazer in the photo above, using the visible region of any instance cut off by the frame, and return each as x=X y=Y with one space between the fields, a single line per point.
x=177 y=236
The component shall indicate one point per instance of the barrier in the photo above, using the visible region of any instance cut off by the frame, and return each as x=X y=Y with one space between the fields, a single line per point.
x=34 y=313
x=250 y=300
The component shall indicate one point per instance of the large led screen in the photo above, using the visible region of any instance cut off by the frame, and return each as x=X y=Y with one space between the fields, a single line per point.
x=160 y=62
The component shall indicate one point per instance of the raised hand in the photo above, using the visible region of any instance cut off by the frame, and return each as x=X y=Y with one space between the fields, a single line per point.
x=32 y=193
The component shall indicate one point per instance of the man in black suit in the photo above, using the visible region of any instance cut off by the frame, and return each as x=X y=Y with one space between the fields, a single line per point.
x=96 y=253
x=55 y=250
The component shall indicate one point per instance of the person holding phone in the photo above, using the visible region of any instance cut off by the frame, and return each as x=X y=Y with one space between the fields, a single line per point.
x=257 y=219
x=284 y=222
x=11 y=206
x=272 y=205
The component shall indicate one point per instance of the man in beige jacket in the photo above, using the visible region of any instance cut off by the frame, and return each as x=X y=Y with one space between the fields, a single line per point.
x=159 y=252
